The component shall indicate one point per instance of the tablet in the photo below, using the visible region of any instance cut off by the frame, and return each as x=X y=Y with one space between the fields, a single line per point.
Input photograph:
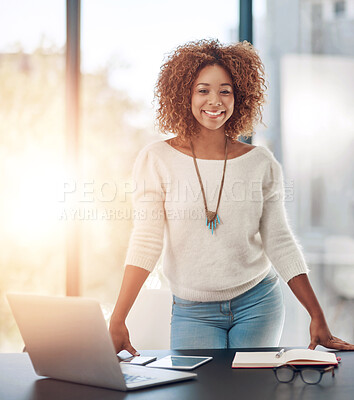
x=180 y=362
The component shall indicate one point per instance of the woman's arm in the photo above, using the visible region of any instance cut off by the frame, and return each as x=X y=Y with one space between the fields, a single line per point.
x=319 y=331
x=133 y=280
x=145 y=243
x=279 y=242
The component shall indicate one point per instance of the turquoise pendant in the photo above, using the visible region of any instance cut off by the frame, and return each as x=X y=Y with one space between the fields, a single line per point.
x=212 y=221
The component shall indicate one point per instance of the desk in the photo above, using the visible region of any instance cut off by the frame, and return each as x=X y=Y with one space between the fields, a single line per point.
x=216 y=381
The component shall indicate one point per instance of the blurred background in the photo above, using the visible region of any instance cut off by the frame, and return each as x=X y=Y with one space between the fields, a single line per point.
x=307 y=47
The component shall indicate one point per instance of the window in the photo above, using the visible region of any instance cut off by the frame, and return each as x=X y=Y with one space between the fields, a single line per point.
x=32 y=132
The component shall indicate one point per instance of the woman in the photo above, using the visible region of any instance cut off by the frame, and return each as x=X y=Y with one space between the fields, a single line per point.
x=220 y=203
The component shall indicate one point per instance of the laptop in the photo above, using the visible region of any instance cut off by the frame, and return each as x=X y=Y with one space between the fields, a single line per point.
x=67 y=338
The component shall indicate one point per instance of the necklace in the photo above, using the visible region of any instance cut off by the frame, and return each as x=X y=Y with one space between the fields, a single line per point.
x=212 y=217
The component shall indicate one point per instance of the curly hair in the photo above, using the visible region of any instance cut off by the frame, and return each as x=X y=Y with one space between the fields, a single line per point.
x=173 y=89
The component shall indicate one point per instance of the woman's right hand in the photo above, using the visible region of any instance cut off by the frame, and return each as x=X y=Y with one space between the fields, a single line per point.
x=133 y=279
x=120 y=336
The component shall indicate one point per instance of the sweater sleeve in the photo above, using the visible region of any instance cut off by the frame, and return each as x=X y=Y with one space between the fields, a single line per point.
x=279 y=242
x=146 y=240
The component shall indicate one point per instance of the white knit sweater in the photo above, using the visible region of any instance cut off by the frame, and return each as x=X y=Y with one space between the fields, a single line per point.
x=253 y=234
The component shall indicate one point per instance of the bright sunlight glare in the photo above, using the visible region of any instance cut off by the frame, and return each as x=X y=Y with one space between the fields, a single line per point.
x=33 y=208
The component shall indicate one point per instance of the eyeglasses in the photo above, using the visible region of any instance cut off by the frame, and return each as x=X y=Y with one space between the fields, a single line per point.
x=311 y=376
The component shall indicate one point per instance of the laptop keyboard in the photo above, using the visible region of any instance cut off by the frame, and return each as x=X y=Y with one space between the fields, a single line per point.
x=136 y=378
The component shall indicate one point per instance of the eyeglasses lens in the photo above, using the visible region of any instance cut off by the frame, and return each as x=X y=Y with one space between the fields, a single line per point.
x=284 y=374
x=311 y=376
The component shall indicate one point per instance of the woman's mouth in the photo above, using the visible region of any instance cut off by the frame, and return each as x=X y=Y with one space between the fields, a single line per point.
x=213 y=114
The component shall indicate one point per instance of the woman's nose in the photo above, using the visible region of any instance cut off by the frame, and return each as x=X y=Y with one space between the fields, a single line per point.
x=214 y=99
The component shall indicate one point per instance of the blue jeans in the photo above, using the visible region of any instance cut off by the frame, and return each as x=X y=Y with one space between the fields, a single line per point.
x=253 y=319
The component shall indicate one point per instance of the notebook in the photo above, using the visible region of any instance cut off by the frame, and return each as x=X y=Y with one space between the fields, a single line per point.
x=67 y=338
x=293 y=357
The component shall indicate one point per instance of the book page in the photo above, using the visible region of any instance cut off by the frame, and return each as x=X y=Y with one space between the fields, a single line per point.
x=256 y=358
x=307 y=355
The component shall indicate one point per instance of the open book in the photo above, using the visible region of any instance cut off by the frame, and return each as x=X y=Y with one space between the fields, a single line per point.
x=293 y=357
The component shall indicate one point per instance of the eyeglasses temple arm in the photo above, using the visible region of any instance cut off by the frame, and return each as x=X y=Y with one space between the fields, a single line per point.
x=329 y=369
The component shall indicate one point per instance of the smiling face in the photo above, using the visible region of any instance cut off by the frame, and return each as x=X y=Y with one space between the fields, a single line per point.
x=212 y=98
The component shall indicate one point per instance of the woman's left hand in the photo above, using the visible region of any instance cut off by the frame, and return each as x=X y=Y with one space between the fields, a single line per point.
x=321 y=335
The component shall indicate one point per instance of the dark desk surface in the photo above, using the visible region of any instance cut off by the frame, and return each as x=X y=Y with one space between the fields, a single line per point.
x=216 y=380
